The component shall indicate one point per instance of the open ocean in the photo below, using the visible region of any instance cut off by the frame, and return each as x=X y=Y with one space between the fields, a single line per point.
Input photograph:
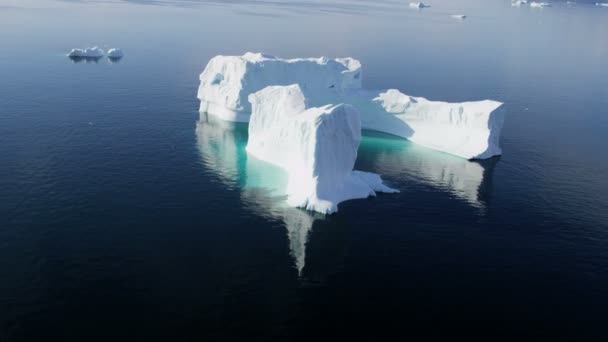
x=125 y=214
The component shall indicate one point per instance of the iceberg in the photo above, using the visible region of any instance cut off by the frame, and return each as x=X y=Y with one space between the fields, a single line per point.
x=418 y=5
x=93 y=52
x=469 y=130
x=459 y=16
x=536 y=4
x=518 y=3
x=316 y=146
x=115 y=53
x=602 y=4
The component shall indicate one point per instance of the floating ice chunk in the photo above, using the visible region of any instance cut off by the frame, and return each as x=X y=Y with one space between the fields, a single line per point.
x=115 y=53
x=458 y=16
x=418 y=5
x=316 y=146
x=227 y=81
x=93 y=52
x=469 y=129
x=518 y=3
x=602 y=4
x=539 y=4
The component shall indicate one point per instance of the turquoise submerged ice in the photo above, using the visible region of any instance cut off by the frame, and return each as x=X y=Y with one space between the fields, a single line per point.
x=316 y=146
x=469 y=130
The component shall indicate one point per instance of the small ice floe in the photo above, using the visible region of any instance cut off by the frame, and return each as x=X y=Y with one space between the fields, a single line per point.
x=459 y=16
x=418 y=5
x=518 y=3
x=93 y=52
x=602 y=4
x=535 y=4
x=115 y=53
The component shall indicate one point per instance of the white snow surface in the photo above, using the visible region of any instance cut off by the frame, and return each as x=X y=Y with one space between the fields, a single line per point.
x=317 y=146
x=469 y=130
x=115 y=53
x=92 y=52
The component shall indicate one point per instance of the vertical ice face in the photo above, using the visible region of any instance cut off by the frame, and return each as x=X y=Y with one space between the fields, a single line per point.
x=469 y=130
x=316 y=146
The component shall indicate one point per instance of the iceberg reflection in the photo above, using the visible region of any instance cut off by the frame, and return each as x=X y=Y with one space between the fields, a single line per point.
x=221 y=145
x=393 y=157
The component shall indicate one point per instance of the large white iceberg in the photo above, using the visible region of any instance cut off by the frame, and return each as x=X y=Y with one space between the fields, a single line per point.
x=317 y=147
x=470 y=130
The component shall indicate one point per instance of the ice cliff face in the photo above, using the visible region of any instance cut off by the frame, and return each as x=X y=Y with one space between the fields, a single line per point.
x=316 y=146
x=469 y=130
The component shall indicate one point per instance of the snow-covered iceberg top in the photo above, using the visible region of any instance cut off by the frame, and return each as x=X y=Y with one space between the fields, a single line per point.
x=227 y=81
x=115 y=53
x=316 y=146
x=92 y=52
x=469 y=130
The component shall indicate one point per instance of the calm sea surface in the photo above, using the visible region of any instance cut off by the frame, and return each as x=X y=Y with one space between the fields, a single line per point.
x=126 y=214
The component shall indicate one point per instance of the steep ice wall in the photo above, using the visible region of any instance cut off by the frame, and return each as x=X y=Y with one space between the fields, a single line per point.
x=316 y=146
x=470 y=129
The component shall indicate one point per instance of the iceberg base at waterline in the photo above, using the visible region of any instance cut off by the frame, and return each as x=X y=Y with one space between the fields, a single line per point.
x=316 y=146
x=469 y=130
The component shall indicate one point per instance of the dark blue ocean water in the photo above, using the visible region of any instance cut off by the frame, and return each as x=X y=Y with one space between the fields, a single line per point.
x=127 y=215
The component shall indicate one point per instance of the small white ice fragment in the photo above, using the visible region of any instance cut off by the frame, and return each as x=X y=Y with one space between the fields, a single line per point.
x=518 y=3
x=458 y=16
x=418 y=5
x=602 y=4
x=535 y=4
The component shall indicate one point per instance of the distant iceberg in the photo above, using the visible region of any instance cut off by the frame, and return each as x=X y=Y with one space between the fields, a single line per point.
x=459 y=16
x=469 y=130
x=115 y=53
x=93 y=52
x=518 y=3
x=418 y=5
x=602 y=4
x=317 y=146
x=539 y=4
